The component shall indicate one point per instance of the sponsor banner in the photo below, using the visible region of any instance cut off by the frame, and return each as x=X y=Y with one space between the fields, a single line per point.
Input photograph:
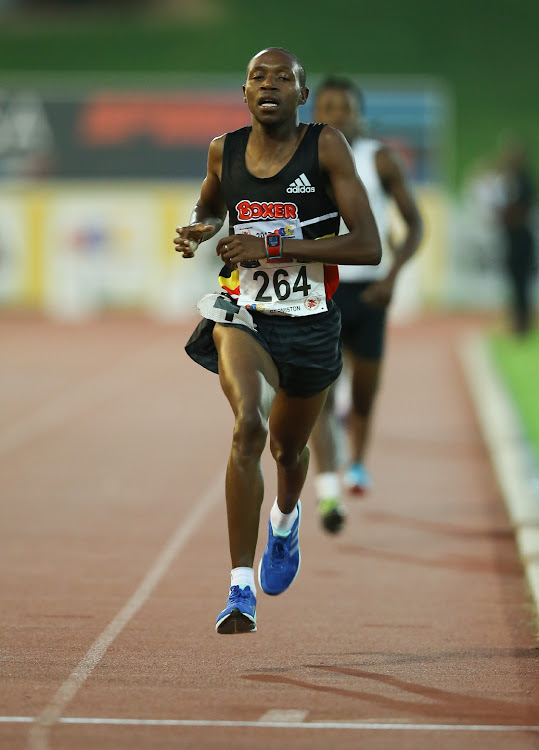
x=15 y=256
x=74 y=251
x=154 y=133
x=112 y=134
x=97 y=252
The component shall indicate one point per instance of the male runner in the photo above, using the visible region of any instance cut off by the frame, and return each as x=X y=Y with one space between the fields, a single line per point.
x=363 y=297
x=272 y=333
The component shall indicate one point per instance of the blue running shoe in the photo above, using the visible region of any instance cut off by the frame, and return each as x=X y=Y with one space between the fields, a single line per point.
x=281 y=559
x=239 y=615
x=357 y=479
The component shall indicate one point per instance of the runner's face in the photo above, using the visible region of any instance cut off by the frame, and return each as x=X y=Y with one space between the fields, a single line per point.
x=272 y=91
x=339 y=109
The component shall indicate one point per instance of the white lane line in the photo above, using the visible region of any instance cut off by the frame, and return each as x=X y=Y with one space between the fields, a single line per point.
x=380 y=726
x=65 y=694
x=514 y=466
x=502 y=432
x=83 y=397
x=281 y=715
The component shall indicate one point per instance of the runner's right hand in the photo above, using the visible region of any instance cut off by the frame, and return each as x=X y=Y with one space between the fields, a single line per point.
x=190 y=237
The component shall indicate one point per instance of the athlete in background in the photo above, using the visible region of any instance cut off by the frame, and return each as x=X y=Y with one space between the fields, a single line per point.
x=516 y=216
x=363 y=296
x=272 y=334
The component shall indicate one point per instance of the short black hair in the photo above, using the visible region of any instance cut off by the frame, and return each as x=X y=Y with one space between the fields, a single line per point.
x=302 y=74
x=342 y=84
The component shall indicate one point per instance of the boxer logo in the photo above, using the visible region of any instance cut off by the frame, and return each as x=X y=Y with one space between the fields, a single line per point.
x=248 y=210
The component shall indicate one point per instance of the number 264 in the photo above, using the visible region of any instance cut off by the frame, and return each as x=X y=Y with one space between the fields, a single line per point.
x=281 y=285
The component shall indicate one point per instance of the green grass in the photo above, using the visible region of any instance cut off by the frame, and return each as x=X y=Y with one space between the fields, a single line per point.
x=518 y=363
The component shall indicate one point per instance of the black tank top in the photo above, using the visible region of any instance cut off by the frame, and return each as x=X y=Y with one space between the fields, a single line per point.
x=295 y=203
x=300 y=182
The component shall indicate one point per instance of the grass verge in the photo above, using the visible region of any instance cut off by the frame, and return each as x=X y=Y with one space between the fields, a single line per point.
x=517 y=360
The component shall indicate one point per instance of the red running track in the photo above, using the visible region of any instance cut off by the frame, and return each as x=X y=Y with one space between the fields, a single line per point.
x=412 y=629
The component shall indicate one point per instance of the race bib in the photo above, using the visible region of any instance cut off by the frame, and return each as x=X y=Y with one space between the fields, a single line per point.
x=283 y=287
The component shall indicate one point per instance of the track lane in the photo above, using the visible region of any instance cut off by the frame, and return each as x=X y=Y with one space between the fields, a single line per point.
x=416 y=614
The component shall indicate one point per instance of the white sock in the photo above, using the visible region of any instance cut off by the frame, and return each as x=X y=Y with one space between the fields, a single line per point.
x=327 y=486
x=243 y=577
x=282 y=523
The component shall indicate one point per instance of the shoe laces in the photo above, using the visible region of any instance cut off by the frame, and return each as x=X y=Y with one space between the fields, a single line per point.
x=238 y=595
x=278 y=550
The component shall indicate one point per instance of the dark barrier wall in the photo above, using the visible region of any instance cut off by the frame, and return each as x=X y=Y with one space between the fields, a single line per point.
x=154 y=133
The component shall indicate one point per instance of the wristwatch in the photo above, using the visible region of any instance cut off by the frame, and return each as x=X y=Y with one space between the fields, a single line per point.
x=274 y=246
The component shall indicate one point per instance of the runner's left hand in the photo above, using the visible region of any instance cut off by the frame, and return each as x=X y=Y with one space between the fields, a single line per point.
x=238 y=247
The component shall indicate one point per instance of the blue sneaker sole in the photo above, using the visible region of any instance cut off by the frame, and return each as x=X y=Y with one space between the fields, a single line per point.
x=236 y=622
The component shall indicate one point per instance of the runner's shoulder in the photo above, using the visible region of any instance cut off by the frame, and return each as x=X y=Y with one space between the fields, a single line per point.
x=215 y=153
x=332 y=147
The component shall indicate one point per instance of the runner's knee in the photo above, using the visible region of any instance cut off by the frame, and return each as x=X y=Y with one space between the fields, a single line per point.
x=250 y=433
x=286 y=455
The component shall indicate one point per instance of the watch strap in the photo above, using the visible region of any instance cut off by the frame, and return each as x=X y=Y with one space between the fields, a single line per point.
x=274 y=252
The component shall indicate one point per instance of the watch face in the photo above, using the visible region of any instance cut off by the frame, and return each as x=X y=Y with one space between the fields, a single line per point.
x=273 y=240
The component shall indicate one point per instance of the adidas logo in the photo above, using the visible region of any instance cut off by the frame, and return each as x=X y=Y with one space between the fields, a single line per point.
x=300 y=185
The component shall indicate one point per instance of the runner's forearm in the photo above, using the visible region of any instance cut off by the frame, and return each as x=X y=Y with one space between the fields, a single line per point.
x=406 y=249
x=205 y=215
x=344 y=250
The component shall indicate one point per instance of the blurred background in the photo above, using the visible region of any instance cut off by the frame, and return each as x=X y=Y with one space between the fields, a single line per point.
x=107 y=110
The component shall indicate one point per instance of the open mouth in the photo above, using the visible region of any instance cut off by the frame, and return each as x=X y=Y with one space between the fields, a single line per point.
x=268 y=102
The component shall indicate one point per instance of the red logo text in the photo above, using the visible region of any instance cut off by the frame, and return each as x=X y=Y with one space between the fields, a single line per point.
x=248 y=210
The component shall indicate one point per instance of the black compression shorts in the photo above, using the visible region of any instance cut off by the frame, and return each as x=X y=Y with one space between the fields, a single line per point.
x=306 y=350
x=363 y=325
